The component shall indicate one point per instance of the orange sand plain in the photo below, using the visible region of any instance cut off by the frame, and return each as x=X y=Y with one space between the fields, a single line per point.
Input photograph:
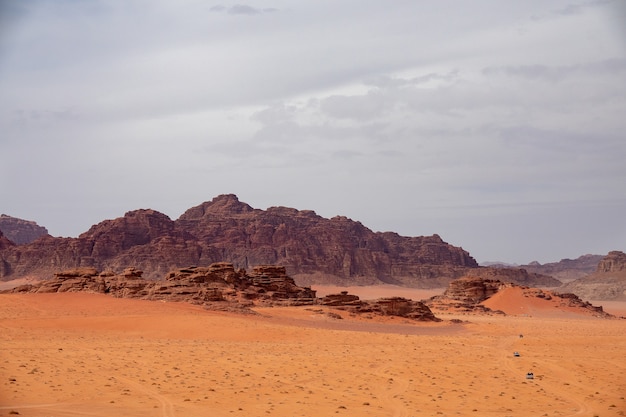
x=94 y=355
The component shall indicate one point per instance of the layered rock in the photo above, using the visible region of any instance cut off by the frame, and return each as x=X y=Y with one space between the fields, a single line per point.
x=219 y=282
x=615 y=261
x=20 y=231
x=390 y=306
x=608 y=282
x=220 y=286
x=518 y=276
x=473 y=290
x=313 y=249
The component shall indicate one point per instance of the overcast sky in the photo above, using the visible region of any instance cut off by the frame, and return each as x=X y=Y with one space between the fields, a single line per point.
x=499 y=125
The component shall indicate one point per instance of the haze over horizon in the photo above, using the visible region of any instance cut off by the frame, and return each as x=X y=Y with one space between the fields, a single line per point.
x=497 y=125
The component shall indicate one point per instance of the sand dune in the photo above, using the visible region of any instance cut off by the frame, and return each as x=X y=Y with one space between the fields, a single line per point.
x=94 y=355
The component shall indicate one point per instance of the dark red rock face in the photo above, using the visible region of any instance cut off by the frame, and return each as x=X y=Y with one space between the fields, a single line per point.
x=20 y=231
x=311 y=248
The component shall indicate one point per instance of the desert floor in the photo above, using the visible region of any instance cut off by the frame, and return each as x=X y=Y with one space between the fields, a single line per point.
x=94 y=355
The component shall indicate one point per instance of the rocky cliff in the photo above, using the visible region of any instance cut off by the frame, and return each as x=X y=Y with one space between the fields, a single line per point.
x=20 y=231
x=313 y=249
x=608 y=282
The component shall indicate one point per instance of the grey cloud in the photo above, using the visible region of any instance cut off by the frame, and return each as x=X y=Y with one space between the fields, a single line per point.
x=242 y=9
x=453 y=104
x=386 y=81
x=573 y=9
x=564 y=143
x=576 y=8
x=614 y=66
x=364 y=107
x=274 y=114
x=347 y=154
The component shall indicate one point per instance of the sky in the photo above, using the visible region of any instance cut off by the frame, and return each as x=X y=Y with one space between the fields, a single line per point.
x=499 y=125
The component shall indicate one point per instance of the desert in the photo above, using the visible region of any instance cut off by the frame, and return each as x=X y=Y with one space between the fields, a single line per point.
x=68 y=354
x=312 y=208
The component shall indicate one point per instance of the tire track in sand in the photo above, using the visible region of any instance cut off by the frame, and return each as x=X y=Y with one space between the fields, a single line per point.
x=394 y=387
x=556 y=374
x=167 y=407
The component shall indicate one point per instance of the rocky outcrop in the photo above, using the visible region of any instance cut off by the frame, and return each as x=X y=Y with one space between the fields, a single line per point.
x=219 y=282
x=518 y=276
x=220 y=286
x=608 y=282
x=341 y=299
x=615 y=261
x=20 y=231
x=311 y=248
x=391 y=306
x=467 y=295
x=473 y=290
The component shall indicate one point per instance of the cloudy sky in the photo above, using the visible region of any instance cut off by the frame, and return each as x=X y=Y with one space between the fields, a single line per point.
x=499 y=125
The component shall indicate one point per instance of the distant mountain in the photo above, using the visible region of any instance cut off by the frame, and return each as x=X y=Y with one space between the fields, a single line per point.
x=565 y=270
x=608 y=282
x=498 y=264
x=313 y=249
x=20 y=231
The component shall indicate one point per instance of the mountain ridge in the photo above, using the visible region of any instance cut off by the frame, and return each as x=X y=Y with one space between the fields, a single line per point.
x=312 y=248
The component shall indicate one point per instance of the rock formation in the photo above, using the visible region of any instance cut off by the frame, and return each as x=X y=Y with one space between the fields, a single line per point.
x=608 y=282
x=313 y=249
x=218 y=283
x=615 y=261
x=391 y=306
x=467 y=295
x=518 y=276
x=20 y=231
x=220 y=286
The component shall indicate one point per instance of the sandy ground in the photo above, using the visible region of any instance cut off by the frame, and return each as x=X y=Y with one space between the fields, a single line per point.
x=94 y=355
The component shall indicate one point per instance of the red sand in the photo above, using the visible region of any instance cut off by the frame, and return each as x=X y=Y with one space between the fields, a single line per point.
x=82 y=354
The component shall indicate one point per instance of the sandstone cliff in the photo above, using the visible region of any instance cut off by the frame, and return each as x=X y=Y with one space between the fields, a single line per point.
x=20 y=231
x=608 y=282
x=313 y=249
